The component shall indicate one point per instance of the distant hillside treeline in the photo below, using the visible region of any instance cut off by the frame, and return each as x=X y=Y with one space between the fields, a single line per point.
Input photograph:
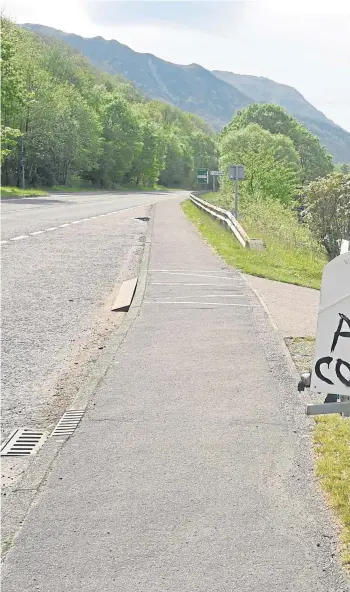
x=65 y=120
x=216 y=96
x=279 y=154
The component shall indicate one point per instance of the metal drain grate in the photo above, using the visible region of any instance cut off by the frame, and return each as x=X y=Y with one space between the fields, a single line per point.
x=23 y=442
x=67 y=424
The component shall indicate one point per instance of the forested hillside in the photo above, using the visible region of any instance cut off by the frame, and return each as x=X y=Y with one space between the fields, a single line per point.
x=191 y=88
x=62 y=119
x=216 y=96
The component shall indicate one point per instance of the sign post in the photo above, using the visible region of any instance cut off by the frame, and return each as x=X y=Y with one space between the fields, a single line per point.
x=331 y=368
x=202 y=176
x=215 y=174
x=235 y=173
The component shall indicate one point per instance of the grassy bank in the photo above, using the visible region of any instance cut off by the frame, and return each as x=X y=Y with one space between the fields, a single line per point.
x=332 y=446
x=291 y=255
x=16 y=192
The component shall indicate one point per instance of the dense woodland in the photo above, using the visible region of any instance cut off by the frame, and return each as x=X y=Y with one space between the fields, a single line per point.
x=64 y=120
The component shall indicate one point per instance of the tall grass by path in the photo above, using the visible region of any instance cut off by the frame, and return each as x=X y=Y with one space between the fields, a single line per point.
x=291 y=255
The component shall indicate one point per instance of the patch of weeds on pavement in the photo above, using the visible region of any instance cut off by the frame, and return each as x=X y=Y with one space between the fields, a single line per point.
x=302 y=351
x=6 y=544
x=282 y=260
x=331 y=439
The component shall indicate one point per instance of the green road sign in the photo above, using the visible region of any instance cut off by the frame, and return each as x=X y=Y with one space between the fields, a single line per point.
x=202 y=176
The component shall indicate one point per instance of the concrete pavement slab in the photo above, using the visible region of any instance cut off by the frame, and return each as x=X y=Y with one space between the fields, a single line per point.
x=293 y=308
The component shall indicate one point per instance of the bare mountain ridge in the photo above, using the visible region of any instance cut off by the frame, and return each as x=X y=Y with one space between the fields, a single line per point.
x=214 y=96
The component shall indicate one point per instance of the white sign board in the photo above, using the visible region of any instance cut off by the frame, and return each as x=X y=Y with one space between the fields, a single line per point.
x=216 y=173
x=331 y=369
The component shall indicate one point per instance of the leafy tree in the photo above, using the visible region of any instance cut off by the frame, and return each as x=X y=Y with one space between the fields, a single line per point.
x=122 y=141
x=9 y=137
x=74 y=121
x=328 y=210
x=270 y=160
x=12 y=84
x=150 y=160
x=12 y=88
x=343 y=168
x=313 y=158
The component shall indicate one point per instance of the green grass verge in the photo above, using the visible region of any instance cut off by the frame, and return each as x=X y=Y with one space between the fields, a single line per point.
x=281 y=261
x=219 y=199
x=33 y=192
x=332 y=444
x=16 y=192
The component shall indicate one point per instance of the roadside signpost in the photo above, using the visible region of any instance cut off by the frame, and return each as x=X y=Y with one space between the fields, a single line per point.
x=215 y=174
x=331 y=369
x=203 y=176
x=236 y=173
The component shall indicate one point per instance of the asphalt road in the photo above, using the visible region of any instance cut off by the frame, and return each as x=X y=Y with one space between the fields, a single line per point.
x=191 y=469
x=63 y=257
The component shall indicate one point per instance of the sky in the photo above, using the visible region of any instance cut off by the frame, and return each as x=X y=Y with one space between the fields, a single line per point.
x=302 y=43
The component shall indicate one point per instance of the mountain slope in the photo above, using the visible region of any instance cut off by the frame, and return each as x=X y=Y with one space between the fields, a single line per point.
x=264 y=90
x=191 y=88
x=215 y=96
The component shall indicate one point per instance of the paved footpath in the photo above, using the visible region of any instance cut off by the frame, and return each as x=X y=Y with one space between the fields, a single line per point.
x=191 y=470
x=293 y=308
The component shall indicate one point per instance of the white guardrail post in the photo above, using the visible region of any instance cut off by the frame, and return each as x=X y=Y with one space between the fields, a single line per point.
x=229 y=219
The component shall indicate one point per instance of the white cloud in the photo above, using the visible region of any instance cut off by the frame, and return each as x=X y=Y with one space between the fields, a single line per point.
x=301 y=43
x=69 y=15
x=308 y=6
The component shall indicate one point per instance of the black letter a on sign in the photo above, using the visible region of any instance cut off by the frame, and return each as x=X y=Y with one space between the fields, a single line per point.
x=339 y=333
